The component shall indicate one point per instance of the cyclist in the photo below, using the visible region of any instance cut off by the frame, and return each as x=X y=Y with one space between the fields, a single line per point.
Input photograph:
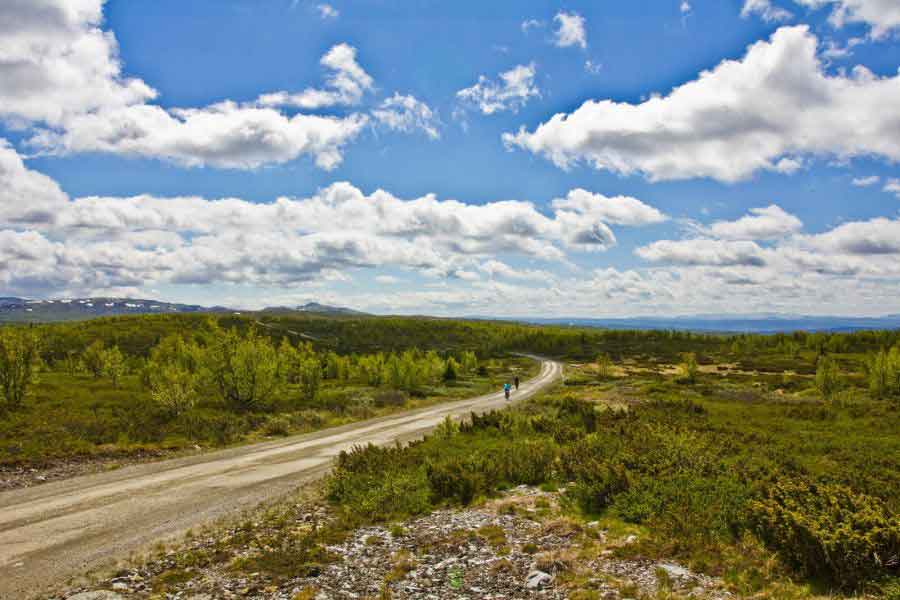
x=507 y=389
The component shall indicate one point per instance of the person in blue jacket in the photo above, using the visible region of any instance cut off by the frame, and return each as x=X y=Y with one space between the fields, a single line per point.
x=507 y=389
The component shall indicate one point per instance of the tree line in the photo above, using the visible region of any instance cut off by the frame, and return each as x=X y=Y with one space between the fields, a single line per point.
x=245 y=370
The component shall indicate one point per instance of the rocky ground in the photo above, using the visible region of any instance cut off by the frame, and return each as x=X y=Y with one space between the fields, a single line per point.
x=516 y=546
x=17 y=476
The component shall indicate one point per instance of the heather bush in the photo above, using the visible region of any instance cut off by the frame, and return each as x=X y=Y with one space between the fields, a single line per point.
x=829 y=531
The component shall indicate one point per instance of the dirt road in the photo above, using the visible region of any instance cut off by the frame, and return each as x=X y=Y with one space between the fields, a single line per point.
x=53 y=532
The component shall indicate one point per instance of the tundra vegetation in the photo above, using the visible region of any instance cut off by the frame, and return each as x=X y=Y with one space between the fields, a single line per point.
x=129 y=386
x=771 y=461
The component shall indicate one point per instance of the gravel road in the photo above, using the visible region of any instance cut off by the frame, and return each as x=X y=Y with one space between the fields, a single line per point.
x=55 y=531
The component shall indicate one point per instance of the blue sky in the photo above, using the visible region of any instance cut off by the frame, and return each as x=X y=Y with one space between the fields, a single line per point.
x=769 y=183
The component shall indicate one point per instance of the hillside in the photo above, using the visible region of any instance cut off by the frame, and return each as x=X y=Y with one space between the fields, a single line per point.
x=20 y=310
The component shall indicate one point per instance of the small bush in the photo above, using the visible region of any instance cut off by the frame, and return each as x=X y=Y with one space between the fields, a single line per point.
x=392 y=398
x=829 y=531
x=278 y=425
x=606 y=482
x=377 y=484
x=688 y=369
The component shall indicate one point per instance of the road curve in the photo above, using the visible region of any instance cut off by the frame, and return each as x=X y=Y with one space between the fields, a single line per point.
x=55 y=531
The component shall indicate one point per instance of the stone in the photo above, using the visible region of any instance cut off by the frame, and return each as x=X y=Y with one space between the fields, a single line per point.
x=98 y=595
x=537 y=579
x=676 y=571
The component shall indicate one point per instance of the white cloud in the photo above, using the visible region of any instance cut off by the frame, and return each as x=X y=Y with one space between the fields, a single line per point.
x=771 y=222
x=496 y=269
x=407 y=114
x=55 y=61
x=882 y=15
x=346 y=86
x=685 y=7
x=529 y=24
x=734 y=120
x=386 y=279
x=92 y=242
x=511 y=92
x=222 y=135
x=866 y=181
x=569 y=30
x=765 y=10
x=327 y=11
x=617 y=210
x=877 y=236
x=694 y=252
x=61 y=71
x=592 y=67
x=26 y=197
x=892 y=186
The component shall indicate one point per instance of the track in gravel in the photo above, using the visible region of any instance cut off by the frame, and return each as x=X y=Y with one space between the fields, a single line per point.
x=58 y=530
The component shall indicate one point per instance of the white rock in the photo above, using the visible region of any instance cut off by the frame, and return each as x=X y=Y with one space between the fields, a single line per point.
x=537 y=579
x=674 y=570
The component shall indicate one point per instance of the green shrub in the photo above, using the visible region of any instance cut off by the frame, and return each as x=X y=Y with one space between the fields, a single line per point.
x=460 y=480
x=378 y=484
x=827 y=376
x=218 y=427
x=278 y=425
x=606 y=481
x=19 y=362
x=829 y=531
x=393 y=398
x=688 y=369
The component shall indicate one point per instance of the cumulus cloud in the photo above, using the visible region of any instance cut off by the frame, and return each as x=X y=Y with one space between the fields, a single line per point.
x=866 y=181
x=223 y=135
x=721 y=253
x=617 y=210
x=737 y=119
x=94 y=242
x=883 y=16
x=511 y=92
x=26 y=197
x=56 y=61
x=764 y=259
x=346 y=85
x=878 y=236
x=765 y=10
x=407 y=114
x=771 y=222
x=61 y=71
x=569 y=30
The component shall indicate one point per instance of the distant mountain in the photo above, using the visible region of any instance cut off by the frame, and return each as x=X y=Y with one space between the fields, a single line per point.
x=732 y=323
x=76 y=309
x=316 y=308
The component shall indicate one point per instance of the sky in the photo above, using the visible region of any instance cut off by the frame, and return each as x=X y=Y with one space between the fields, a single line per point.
x=547 y=159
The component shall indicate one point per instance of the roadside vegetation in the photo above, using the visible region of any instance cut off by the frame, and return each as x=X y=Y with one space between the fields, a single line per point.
x=139 y=386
